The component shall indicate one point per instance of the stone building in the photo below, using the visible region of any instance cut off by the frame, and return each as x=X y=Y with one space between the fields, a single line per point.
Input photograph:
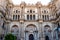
x=30 y=21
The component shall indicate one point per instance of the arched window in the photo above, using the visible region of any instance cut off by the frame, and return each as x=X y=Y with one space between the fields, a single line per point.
x=33 y=17
x=27 y=17
x=30 y=11
x=44 y=11
x=18 y=17
x=33 y=11
x=45 y=17
x=30 y=17
x=27 y=11
x=13 y=17
x=17 y=11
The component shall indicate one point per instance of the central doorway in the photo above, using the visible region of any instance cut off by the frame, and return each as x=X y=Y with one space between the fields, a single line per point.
x=31 y=37
x=46 y=38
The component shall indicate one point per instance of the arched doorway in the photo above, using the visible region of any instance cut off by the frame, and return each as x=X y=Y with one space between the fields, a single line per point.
x=46 y=38
x=15 y=30
x=31 y=37
x=47 y=31
x=31 y=32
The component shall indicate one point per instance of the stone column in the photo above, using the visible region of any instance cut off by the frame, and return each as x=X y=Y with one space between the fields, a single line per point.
x=40 y=31
x=43 y=33
x=22 y=31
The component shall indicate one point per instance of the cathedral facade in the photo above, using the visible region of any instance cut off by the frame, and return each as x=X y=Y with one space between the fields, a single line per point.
x=30 y=21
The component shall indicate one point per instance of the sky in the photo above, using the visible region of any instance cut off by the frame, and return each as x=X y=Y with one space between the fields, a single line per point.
x=44 y=2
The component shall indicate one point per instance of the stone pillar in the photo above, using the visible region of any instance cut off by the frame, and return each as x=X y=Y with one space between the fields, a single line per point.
x=40 y=31
x=22 y=31
x=43 y=33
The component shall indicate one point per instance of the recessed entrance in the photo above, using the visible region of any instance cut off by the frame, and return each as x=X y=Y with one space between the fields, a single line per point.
x=46 y=38
x=31 y=37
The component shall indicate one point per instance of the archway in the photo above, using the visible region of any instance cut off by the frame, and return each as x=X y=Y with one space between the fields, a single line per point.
x=47 y=28
x=31 y=37
x=47 y=31
x=46 y=38
x=31 y=32
x=15 y=29
x=31 y=27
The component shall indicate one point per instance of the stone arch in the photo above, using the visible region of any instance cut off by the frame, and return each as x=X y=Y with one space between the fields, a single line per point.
x=47 y=28
x=14 y=26
x=31 y=31
x=15 y=29
x=31 y=27
x=47 y=31
x=36 y=25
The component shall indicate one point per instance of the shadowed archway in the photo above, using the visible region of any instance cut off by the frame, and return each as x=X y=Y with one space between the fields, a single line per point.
x=31 y=32
x=47 y=30
x=46 y=38
x=31 y=37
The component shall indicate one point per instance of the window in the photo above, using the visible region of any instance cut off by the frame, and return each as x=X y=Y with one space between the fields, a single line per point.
x=30 y=11
x=30 y=17
x=16 y=11
x=33 y=11
x=22 y=7
x=13 y=17
x=44 y=11
x=33 y=17
x=27 y=11
x=45 y=17
x=16 y=17
x=27 y=17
